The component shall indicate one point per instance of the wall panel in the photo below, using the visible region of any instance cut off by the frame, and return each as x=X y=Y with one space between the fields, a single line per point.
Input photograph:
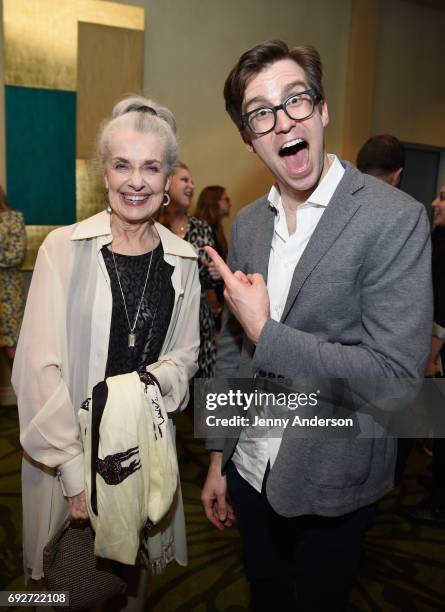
x=110 y=64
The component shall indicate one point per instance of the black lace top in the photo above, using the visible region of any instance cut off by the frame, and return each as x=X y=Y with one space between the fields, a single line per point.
x=154 y=315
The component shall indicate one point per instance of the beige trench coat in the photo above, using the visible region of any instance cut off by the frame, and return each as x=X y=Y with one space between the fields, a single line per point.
x=62 y=354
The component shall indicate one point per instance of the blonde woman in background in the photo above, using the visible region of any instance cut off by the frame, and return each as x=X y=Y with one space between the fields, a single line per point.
x=178 y=219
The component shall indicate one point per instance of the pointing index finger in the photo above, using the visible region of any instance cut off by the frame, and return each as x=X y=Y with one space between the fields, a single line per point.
x=220 y=264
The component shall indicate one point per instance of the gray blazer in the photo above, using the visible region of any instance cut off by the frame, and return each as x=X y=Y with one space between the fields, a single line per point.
x=359 y=306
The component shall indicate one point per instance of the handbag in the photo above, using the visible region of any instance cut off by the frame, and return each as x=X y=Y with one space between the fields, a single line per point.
x=69 y=565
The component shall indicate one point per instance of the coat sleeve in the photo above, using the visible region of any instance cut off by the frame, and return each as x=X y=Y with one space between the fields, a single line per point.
x=396 y=315
x=49 y=431
x=231 y=336
x=176 y=367
x=230 y=340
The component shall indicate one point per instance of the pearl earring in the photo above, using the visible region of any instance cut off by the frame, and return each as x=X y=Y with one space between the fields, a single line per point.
x=107 y=201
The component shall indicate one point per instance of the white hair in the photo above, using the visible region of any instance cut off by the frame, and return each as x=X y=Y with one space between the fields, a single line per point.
x=142 y=115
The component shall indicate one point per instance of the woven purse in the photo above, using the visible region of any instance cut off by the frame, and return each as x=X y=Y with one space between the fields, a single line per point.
x=69 y=565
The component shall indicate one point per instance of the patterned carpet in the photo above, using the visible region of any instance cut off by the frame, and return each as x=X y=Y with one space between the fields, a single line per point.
x=403 y=567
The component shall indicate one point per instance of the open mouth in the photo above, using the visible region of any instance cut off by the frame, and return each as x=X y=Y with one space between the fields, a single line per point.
x=295 y=154
x=293 y=147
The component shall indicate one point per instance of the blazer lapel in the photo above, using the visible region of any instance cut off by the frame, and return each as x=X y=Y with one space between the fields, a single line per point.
x=262 y=239
x=339 y=211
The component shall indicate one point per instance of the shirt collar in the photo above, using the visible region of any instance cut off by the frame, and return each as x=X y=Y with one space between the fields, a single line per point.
x=322 y=194
x=99 y=226
x=329 y=183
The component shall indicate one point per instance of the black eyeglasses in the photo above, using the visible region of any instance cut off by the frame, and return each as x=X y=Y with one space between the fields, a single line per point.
x=298 y=107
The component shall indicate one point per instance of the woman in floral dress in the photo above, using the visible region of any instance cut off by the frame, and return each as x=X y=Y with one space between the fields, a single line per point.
x=12 y=254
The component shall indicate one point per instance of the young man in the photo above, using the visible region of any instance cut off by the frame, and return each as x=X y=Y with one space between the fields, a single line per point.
x=329 y=276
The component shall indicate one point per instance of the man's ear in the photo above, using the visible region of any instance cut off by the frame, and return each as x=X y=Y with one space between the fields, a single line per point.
x=396 y=177
x=247 y=141
x=324 y=113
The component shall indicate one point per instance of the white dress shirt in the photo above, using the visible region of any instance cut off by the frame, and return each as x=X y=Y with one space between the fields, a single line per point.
x=252 y=455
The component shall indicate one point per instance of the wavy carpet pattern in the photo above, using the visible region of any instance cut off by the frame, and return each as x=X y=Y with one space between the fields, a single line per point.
x=403 y=568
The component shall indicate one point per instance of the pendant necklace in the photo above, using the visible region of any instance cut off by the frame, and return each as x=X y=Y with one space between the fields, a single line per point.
x=131 y=335
x=181 y=231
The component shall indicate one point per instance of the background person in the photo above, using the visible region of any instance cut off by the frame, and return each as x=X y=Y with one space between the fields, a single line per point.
x=431 y=509
x=213 y=206
x=112 y=294
x=177 y=218
x=383 y=156
x=12 y=291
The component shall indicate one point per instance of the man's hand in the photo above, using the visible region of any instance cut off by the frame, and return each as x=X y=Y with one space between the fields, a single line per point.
x=77 y=507
x=432 y=368
x=213 y=496
x=245 y=295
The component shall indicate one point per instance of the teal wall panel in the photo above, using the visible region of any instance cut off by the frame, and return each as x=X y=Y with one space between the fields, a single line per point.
x=41 y=154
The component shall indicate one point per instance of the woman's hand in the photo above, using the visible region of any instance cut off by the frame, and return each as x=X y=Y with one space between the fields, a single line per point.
x=77 y=507
x=211 y=267
x=214 y=304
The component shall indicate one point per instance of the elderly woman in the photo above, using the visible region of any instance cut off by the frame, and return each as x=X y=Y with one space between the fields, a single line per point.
x=177 y=218
x=112 y=294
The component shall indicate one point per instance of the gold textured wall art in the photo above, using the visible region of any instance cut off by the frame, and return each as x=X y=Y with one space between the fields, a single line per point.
x=41 y=37
x=90 y=47
x=104 y=52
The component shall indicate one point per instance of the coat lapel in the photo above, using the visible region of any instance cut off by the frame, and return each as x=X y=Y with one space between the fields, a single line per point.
x=340 y=210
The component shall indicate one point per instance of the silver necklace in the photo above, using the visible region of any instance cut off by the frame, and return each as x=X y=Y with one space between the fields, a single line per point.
x=132 y=335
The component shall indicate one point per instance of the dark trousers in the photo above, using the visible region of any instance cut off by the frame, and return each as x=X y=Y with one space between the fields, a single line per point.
x=305 y=563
